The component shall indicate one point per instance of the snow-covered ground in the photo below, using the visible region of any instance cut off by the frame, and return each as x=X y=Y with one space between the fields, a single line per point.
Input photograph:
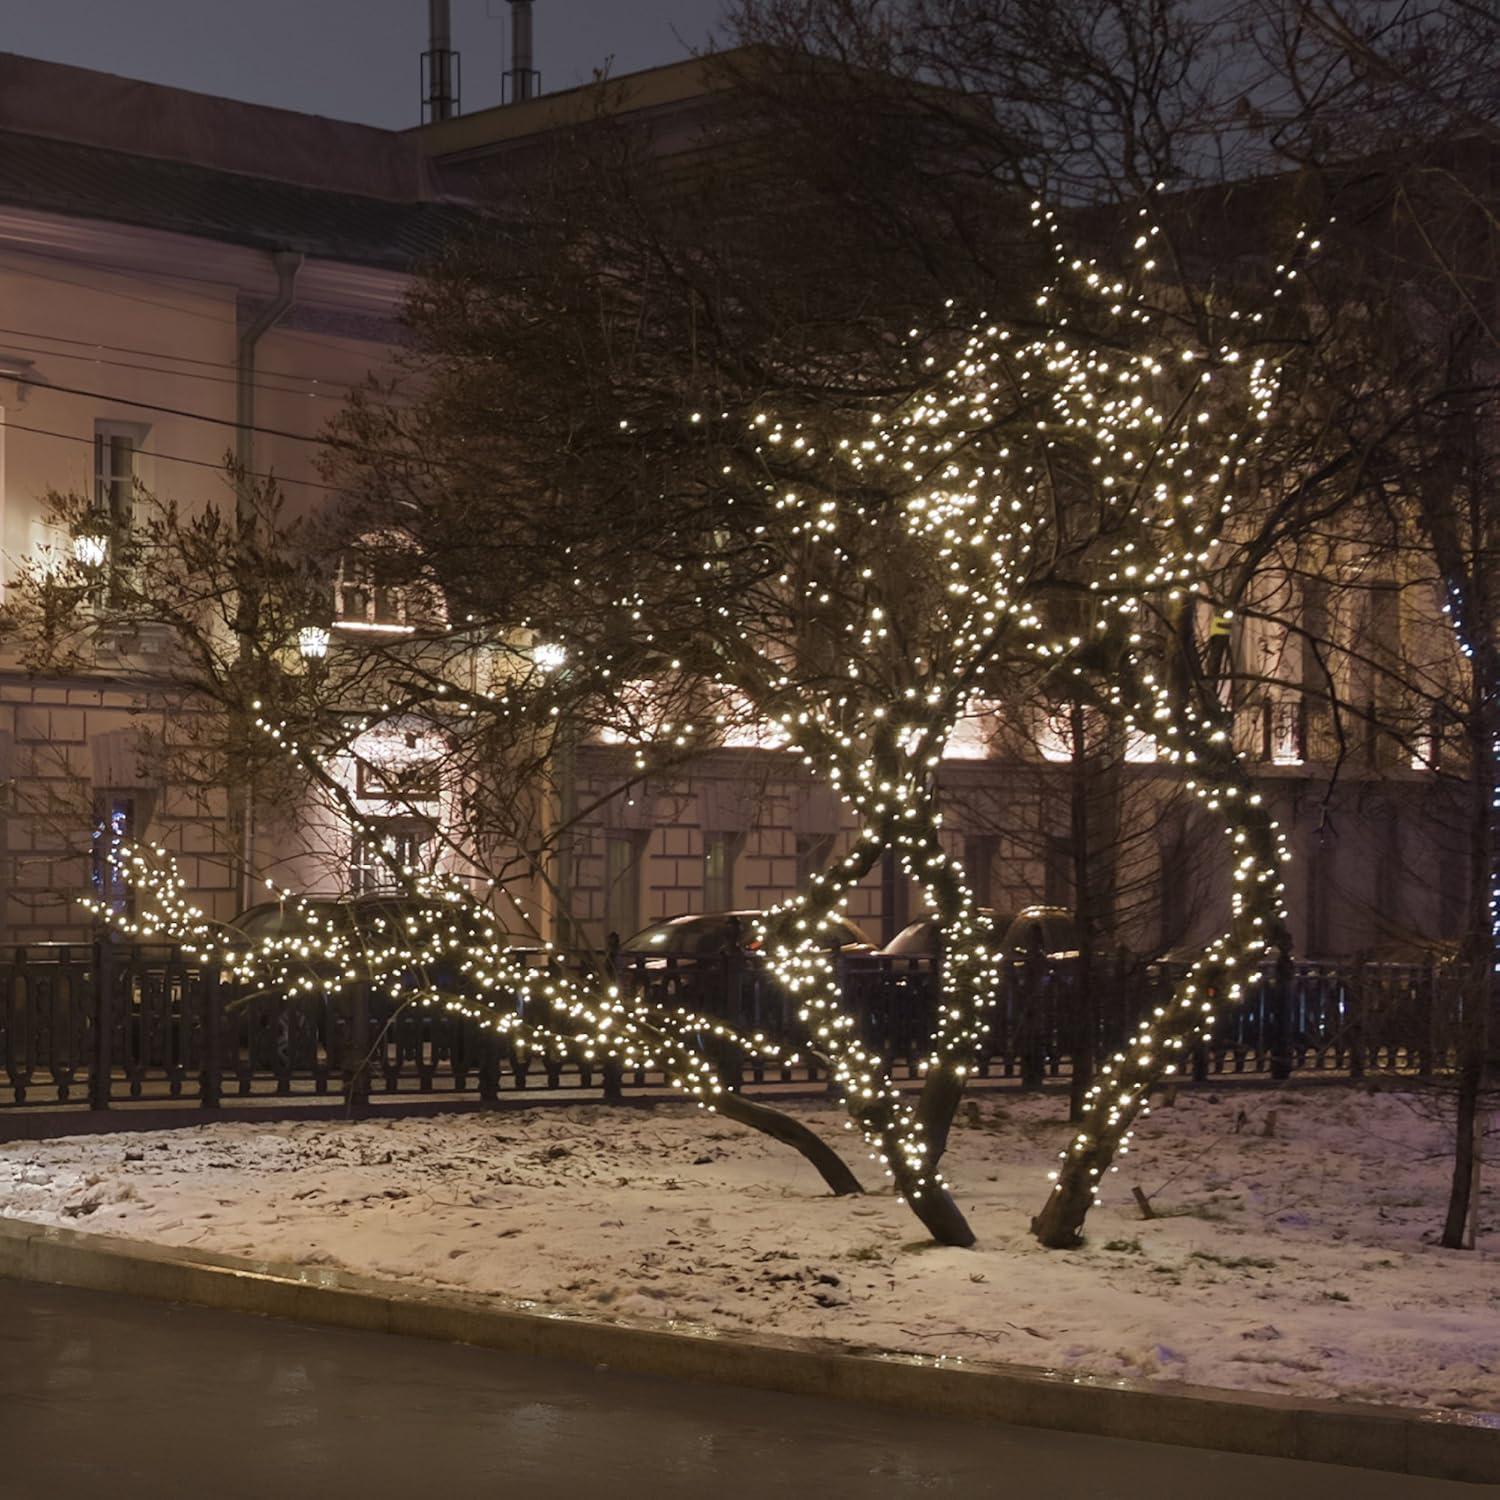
x=1300 y=1263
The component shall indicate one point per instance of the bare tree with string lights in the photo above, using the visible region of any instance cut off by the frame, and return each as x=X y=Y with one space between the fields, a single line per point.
x=1046 y=493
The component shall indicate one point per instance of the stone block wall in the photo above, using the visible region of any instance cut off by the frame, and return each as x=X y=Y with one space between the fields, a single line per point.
x=66 y=750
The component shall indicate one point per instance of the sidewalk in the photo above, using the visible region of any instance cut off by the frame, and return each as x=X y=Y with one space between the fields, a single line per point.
x=1409 y=1443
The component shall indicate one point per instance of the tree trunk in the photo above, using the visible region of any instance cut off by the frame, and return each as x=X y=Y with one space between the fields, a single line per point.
x=1083 y=1009
x=1163 y=1043
x=1083 y=769
x=942 y=1090
x=941 y=1218
x=791 y=1132
x=1479 y=947
x=1455 y=1224
x=1059 y=1226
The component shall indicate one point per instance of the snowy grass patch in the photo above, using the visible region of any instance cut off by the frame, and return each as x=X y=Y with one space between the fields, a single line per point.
x=1302 y=1262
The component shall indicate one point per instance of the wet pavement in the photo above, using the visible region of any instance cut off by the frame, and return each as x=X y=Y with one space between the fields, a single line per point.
x=108 y=1396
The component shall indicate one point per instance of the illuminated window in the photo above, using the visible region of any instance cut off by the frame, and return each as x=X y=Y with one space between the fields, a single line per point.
x=1284 y=731
x=1427 y=744
x=385 y=849
x=970 y=739
x=397 y=761
x=635 y=716
x=1054 y=734
x=413 y=781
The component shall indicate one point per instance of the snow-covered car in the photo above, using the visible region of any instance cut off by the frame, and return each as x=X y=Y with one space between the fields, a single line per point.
x=372 y=924
x=706 y=934
x=1048 y=930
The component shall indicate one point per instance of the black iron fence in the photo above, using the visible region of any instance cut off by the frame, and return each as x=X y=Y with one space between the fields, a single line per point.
x=98 y=1024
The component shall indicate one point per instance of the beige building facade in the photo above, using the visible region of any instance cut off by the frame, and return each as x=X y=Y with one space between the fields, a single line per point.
x=182 y=278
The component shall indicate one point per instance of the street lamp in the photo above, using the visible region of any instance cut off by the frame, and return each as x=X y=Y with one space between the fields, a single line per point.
x=312 y=642
x=550 y=657
x=91 y=548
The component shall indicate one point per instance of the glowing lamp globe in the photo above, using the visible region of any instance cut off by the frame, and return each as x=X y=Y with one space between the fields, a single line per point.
x=312 y=641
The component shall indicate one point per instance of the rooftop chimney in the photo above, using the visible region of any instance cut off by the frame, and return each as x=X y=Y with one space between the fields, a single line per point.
x=525 y=81
x=439 y=65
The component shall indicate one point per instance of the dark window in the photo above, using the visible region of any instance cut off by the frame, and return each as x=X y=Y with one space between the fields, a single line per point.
x=1057 y=883
x=814 y=851
x=363 y=594
x=622 y=882
x=115 y=450
x=980 y=850
x=720 y=851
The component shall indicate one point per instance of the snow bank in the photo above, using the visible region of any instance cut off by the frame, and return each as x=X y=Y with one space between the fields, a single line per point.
x=1301 y=1263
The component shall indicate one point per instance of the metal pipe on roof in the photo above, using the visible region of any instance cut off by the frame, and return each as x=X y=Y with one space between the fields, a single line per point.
x=441 y=95
x=524 y=79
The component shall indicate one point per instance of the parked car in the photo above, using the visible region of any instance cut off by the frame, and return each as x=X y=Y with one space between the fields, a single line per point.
x=704 y=934
x=372 y=922
x=1049 y=930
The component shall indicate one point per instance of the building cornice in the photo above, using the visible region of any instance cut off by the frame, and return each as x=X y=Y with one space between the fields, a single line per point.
x=336 y=285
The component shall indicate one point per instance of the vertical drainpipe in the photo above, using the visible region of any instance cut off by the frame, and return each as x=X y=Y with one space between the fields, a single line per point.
x=247 y=606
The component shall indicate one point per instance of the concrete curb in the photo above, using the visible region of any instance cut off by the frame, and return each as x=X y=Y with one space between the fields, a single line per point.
x=1404 y=1441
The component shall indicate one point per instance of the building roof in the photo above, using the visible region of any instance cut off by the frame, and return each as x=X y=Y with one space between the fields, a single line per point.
x=690 y=83
x=88 y=181
x=91 y=145
x=90 y=108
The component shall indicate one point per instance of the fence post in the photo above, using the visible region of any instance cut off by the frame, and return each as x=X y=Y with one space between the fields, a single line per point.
x=101 y=1062
x=612 y=1069
x=1033 y=1045
x=1281 y=1019
x=1083 y=1024
x=211 y=1078
x=1356 y=1046
x=489 y=1066
x=1435 y=1051
x=357 y=1059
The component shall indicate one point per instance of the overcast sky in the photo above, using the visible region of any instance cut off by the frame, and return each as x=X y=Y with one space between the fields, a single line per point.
x=352 y=59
